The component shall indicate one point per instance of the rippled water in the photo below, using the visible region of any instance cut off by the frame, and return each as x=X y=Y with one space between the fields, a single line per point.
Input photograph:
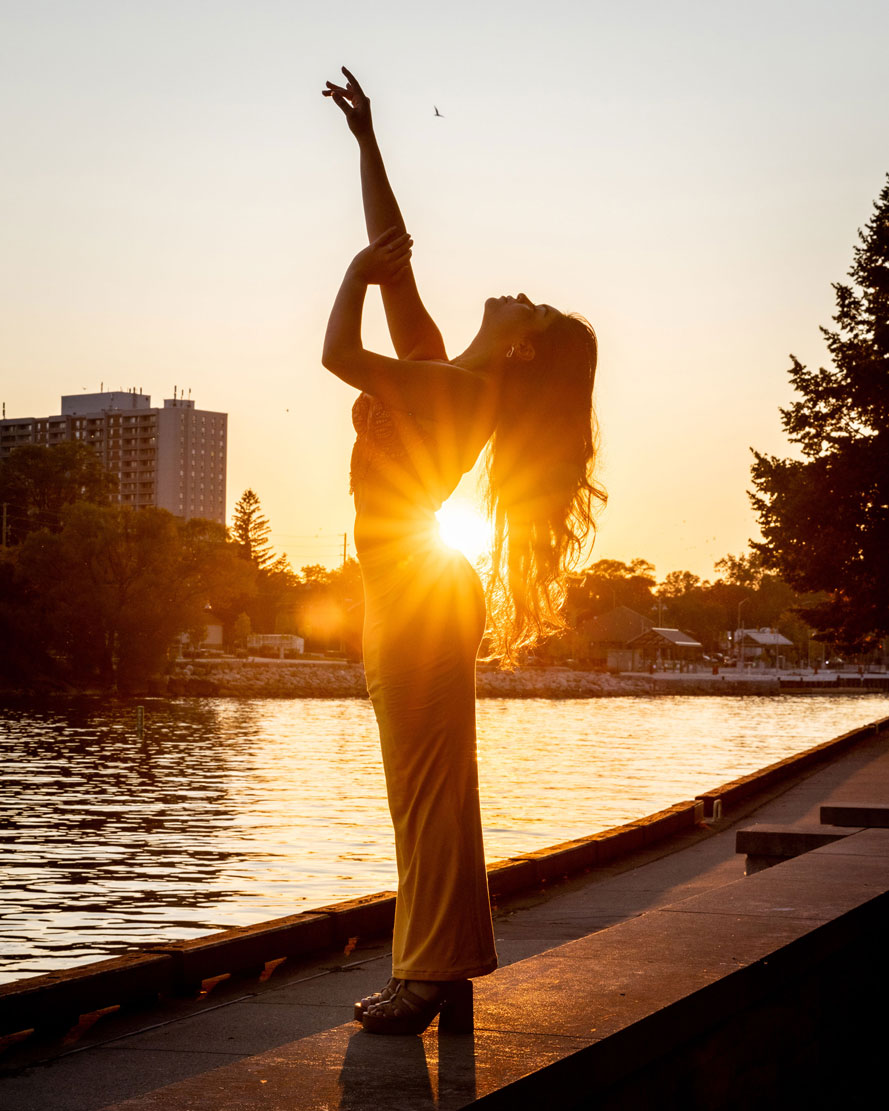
x=229 y=812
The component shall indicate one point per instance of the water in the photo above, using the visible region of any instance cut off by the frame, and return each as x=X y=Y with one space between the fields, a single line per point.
x=228 y=812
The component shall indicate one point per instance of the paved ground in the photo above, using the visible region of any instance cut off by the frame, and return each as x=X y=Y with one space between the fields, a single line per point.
x=119 y=1058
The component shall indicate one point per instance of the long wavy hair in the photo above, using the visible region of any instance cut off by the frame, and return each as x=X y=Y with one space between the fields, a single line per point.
x=541 y=493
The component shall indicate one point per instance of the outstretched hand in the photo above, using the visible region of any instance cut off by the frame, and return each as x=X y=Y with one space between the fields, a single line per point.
x=353 y=103
x=385 y=260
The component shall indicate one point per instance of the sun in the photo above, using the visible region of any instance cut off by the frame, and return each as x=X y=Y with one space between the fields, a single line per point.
x=461 y=526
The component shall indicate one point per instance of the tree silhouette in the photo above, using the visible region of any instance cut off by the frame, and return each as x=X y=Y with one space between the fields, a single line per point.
x=37 y=483
x=825 y=517
x=251 y=529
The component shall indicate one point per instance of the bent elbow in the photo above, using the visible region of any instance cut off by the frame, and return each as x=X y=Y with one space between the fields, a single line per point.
x=331 y=359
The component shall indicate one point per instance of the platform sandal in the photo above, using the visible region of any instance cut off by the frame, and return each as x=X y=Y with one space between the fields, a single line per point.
x=408 y=1013
x=369 y=1001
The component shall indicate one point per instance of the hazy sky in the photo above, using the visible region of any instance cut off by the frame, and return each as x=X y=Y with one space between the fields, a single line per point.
x=179 y=204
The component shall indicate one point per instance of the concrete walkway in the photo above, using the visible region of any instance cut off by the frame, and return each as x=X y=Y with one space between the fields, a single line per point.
x=287 y=1042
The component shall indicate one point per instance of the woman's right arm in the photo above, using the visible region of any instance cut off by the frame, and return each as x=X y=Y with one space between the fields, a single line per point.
x=413 y=331
x=428 y=388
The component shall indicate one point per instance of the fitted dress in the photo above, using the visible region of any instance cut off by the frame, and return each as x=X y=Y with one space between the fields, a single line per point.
x=424 y=620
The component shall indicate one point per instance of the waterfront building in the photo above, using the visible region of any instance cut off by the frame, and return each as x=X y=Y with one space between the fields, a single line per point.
x=172 y=457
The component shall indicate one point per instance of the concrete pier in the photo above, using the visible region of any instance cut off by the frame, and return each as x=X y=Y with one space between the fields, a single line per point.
x=663 y=977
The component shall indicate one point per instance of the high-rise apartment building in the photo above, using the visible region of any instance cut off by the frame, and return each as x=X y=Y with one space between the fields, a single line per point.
x=173 y=458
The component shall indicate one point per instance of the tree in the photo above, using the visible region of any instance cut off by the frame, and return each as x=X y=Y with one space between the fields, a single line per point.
x=36 y=483
x=251 y=529
x=608 y=583
x=330 y=607
x=270 y=603
x=825 y=517
x=113 y=587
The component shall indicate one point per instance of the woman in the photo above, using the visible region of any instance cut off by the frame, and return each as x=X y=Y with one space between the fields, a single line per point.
x=525 y=384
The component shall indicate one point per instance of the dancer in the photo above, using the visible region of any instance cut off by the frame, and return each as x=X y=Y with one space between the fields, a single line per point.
x=524 y=384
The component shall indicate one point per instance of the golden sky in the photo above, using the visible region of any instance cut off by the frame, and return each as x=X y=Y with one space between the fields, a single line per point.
x=180 y=202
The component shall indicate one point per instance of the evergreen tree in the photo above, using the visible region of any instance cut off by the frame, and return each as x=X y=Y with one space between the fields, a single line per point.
x=825 y=517
x=251 y=529
x=273 y=596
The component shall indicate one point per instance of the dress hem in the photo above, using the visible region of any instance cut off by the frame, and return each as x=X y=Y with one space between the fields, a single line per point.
x=442 y=976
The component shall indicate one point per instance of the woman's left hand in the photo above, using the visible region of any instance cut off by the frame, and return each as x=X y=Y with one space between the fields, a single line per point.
x=385 y=260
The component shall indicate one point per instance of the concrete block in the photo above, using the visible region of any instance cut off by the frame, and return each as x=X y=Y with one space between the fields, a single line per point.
x=784 y=842
x=620 y=841
x=870 y=814
x=244 y=948
x=506 y=877
x=57 y=1000
x=564 y=860
x=367 y=916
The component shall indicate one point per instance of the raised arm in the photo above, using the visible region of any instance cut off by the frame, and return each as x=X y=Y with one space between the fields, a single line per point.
x=442 y=391
x=413 y=331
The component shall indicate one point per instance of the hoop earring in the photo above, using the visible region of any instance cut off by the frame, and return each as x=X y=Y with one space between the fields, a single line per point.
x=510 y=353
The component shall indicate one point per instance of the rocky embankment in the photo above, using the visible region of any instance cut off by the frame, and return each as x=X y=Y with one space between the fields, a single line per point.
x=318 y=679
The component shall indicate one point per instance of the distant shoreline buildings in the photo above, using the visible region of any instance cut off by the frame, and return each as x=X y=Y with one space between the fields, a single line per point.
x=173 y=458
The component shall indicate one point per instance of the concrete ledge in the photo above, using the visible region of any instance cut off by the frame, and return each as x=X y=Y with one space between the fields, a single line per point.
x=56 y=1001
x=787 y=841
x=366 y=916
x=872 y=815
x=245 y=948
x=768 y=845
x=736 y=790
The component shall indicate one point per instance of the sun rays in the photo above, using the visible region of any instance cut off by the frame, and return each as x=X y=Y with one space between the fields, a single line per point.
x=463 y=527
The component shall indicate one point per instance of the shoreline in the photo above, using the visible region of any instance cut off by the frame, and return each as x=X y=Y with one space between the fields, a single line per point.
x=266 y=678
x=260 y=678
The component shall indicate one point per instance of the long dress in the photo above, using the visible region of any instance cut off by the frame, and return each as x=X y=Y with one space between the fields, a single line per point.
x=424 y=620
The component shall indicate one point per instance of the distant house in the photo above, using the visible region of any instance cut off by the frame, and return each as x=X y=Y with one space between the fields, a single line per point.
x=211 y=636
x=667 y=646
x=605 y=640
x=276 y=644
x=764 y=645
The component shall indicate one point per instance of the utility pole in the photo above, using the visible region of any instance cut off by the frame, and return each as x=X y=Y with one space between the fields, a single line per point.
x=345 y=538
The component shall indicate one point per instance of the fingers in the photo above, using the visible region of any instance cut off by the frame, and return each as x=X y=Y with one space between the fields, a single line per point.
x=339 y=100
x=389 y=235
x=353 y=82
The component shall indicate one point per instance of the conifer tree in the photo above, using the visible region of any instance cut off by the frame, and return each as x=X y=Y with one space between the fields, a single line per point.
x=251 y=529
x=825 y=517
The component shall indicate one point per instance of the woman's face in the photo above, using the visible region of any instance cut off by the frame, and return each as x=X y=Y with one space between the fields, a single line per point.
x=518 y=316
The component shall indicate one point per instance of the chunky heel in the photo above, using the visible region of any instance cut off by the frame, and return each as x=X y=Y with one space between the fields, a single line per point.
x=456 y=1015
x=408 y=1013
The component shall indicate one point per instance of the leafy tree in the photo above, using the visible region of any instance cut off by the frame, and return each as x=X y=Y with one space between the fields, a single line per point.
x=608 y=583
x=330 y=607
x=241 y=631
x=113 y=587
x=37 y=483
x=825 y=517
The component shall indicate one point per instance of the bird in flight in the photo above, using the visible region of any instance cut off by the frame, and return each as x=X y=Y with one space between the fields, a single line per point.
x=440 y=116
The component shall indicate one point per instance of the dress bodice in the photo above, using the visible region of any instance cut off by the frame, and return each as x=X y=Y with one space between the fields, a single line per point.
x=403 y=467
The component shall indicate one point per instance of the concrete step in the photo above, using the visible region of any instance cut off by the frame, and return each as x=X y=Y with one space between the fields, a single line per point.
x=873 y=815
x=766 y=845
